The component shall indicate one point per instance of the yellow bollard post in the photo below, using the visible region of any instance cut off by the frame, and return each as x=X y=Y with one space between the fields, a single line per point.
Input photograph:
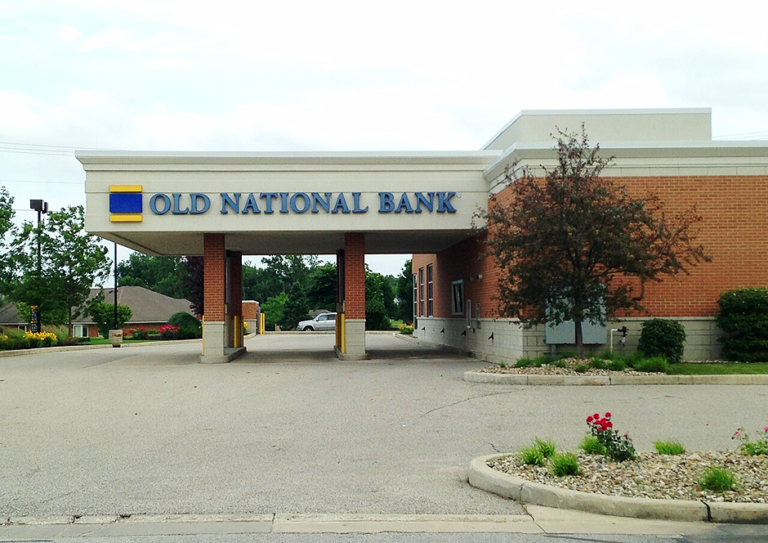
x=343 y=346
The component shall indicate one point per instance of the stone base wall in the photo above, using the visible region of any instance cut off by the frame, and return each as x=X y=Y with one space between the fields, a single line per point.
x=510 y=341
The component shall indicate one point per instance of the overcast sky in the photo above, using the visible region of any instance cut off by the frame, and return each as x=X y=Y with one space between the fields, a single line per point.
x=326 y=75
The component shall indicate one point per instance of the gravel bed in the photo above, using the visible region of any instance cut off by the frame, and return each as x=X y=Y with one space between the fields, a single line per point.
x=653 y=476
x=569 y=369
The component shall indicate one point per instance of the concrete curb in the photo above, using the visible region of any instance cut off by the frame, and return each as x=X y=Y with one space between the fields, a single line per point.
x=606 y=380
x=43 y=350
x=522 y=490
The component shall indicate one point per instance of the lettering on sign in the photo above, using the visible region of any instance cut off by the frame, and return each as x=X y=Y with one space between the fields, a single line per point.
x=268 y=203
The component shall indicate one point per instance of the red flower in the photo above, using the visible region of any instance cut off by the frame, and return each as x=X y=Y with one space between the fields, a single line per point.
x=607 y=415
x=609 y=424
x=589 y=419
x=596 y=416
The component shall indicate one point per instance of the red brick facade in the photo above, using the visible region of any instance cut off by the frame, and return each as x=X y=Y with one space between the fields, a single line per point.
x=734 y=231
x=354 y=275
x=215 y=278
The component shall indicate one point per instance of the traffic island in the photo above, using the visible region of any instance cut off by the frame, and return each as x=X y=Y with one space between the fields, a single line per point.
x=524 y=490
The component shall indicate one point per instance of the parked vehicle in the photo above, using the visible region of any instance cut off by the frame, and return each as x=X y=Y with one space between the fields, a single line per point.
x=324 y=321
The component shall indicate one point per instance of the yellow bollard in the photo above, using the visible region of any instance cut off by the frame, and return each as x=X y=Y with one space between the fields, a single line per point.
x=343 y=346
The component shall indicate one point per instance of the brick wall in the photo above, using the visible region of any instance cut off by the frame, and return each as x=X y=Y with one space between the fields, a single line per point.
x=734 y=231
x=354 y=275
x=213 y=266
x=250 y=309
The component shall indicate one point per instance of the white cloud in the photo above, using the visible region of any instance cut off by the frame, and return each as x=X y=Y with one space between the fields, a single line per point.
x=69 y=33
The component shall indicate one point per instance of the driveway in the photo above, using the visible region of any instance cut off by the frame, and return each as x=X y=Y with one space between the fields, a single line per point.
x=288 y=428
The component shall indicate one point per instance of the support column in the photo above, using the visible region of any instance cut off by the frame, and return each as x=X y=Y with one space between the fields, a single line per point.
x=216 y=343
x=354 y=297
x=235 y=299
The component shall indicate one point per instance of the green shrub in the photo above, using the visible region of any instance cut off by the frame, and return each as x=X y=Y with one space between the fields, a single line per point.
x=669 y=447
x=561 y=364
x=547 y=447
x=524 y=362
x=502 y=365
x=565 y=464
x=531 y=456
x=189 y=333
x=744 y=319
x=617 y=365
x=591 y=445
x=581 y=368
x=184 y=320
x=718 y=480
x=598 y=364
x=654 y=364
x=544 y=359
x=662 y=337
x=567 y=354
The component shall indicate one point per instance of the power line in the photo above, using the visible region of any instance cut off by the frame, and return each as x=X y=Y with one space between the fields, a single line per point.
x=3 y=181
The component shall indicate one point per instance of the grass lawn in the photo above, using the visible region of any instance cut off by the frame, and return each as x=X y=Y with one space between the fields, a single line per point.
x=718 y=369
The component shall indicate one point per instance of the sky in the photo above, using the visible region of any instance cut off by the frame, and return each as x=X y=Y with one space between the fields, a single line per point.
x=348 y=76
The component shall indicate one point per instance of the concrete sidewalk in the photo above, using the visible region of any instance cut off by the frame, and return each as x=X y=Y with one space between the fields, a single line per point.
x=289 y=428
x=536 y=520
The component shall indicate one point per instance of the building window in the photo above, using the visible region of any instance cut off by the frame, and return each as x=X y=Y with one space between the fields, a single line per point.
x=421 y=292
x=430 y=290
x=415 y=296
x=457 y=297
x=80 y=330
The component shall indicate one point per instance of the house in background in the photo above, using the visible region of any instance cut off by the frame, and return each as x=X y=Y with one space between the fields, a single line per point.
x=150 y=310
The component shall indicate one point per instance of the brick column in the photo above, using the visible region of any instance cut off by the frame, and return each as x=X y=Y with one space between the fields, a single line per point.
x=354 y=295
x=216 y=345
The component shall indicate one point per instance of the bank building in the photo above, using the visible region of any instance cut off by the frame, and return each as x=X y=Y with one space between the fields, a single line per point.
x=223 y=206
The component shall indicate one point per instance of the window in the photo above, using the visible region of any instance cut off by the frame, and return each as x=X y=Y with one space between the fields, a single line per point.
x=80 y=330
x=430 y=290
x=457 y=297
x=415 y=296
x=322 y=318
x=421 y=292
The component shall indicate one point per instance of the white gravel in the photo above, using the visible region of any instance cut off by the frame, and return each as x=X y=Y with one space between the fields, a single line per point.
x=654 y=476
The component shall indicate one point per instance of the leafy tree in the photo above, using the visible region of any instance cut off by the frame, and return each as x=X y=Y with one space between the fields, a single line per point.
x=103 y=314
x=376 y=288
x=72 y=261
x=194 y=283
x=7 y=268
x=163 y=274
x=260 y=283
x=274 y=309
x=321 y=291
x=404 y=293
x=296 y=307
x=576 y=247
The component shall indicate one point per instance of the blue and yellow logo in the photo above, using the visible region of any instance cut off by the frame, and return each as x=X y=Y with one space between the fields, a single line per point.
x=125 y=203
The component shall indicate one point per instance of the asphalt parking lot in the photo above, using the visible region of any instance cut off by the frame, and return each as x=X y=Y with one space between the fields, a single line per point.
x=289 y=428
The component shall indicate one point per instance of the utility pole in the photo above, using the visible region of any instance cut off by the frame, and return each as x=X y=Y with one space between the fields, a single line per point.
x=115 y=327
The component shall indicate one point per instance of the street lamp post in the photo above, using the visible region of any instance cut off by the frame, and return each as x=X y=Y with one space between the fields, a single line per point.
x=41 y=206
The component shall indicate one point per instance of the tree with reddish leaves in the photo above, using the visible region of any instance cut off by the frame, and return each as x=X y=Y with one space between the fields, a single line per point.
x=194 y=283
x=572 y=246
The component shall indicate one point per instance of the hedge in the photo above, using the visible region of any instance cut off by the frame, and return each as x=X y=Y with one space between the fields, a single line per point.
x=744 y=319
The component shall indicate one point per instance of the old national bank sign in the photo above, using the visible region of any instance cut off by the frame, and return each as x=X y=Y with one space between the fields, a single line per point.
x=225 y=205
x=300 y=202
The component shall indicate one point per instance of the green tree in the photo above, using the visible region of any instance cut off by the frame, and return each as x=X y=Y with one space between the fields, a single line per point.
x=274 y=309
x=72 y=261
x=7 y=230
x=404 y=293
x=103 y=314
x=321 y=291
x=163 y=274
x=574 y=246
x=296 y=307
x=376 y=289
